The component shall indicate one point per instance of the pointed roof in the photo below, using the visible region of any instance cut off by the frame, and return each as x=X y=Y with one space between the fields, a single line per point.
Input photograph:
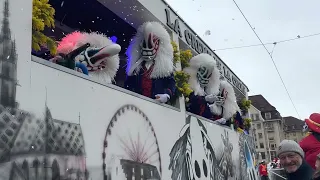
x=26 y=134
x=5 y=33
x=261 y=103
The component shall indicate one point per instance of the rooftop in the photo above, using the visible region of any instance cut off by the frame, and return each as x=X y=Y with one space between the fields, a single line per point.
x=261 y=103
x=293 y=124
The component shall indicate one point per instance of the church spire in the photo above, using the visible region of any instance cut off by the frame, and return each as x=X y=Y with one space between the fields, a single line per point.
x=8 y=61
x=5 y=30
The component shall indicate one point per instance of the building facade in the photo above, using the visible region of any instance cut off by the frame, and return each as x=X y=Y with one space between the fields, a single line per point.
x=293 y=128
x=272 y=125
x=270 y=128
x=260 y=137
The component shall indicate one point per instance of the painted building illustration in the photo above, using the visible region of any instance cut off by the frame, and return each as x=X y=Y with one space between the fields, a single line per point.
x=8 y=62
x=30 y=147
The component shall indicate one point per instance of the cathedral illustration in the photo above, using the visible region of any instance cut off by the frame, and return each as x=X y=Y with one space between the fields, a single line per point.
x=8 y=62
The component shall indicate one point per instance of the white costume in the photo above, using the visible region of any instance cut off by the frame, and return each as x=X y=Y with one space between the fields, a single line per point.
x=227 y=106
x=150 y=63
x=204 y=81
x=100 y=58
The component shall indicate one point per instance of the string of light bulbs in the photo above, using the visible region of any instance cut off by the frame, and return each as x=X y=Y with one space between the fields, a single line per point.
x=270 y=58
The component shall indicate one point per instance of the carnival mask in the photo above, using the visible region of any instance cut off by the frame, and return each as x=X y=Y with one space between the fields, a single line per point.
x=95 y=58
x=203 y=76
x=149 y=45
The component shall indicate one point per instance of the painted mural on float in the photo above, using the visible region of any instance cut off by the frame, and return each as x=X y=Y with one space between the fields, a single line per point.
x=45 y=137
x=32 y=147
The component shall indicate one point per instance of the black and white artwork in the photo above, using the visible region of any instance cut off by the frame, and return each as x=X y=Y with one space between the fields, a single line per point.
x=8 y=60
x=131 y=152
x=209 y=152
x=32 y=147
x=193 y=157
x=225 y=161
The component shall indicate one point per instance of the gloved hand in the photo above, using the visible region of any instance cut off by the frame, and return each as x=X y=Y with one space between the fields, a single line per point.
x=221 y=121
x=163 y=98
x=211 y=98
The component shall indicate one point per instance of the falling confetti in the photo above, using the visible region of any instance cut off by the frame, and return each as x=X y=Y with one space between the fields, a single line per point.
x=62 y=3
x=207 y=33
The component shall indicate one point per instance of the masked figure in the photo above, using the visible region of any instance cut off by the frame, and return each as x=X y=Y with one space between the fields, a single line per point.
x=91 y=53
x=204 y=81
x=150 y=63
x=226 y=107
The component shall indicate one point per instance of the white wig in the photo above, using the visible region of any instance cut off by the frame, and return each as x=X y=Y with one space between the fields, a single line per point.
x=96 y=40
x=230 y=105
x=203 y=60
x=163 y=66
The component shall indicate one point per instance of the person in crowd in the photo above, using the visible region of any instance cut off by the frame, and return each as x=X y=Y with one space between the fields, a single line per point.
x=311 y=143
x=263 y=171
x=316 y=175
x=292 y=160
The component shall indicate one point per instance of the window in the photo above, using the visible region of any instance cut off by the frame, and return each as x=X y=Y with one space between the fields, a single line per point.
x=271 y=138
x=261 y=145
x=263 y=155
x=267 y=115
x=252 y=117
x=257 y=116
x=260 y=135
x=259 y=126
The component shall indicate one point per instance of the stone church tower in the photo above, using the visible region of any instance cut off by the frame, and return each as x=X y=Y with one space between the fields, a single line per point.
x=8 y=62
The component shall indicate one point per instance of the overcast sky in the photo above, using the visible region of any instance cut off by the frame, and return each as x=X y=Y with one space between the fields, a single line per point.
x=273 y=20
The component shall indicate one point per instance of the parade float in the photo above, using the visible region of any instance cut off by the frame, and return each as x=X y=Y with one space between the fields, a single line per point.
x=102 y=92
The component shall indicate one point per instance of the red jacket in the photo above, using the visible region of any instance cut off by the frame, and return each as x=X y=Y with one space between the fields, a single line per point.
x=263 y=170
x=311 y=148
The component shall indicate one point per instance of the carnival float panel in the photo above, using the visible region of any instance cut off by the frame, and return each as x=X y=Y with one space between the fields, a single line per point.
x=57 y=123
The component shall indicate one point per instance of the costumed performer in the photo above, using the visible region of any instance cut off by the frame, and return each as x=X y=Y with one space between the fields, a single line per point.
x=311 y=143
x=98 y=54
x=150 y=63
x=226 y=107
x=204 y=82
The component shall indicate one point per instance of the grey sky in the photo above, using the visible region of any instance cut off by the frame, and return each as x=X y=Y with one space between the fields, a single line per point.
x=273 y=20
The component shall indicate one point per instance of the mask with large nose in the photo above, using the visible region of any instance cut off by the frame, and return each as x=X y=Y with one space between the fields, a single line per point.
x=95 y=58
x=204 y=75
x=150 y=44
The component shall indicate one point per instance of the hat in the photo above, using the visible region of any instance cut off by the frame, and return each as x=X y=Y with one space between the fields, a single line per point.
x=314 y=122
x=290 y=146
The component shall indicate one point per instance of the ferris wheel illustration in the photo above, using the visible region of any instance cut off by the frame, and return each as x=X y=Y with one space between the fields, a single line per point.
x=130 y=146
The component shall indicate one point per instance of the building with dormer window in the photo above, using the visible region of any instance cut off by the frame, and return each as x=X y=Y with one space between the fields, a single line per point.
x=293 y=128
x=272 y=125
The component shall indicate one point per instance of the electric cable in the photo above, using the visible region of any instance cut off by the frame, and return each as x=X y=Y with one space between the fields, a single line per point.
x=269 y=56
x=276 y=42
